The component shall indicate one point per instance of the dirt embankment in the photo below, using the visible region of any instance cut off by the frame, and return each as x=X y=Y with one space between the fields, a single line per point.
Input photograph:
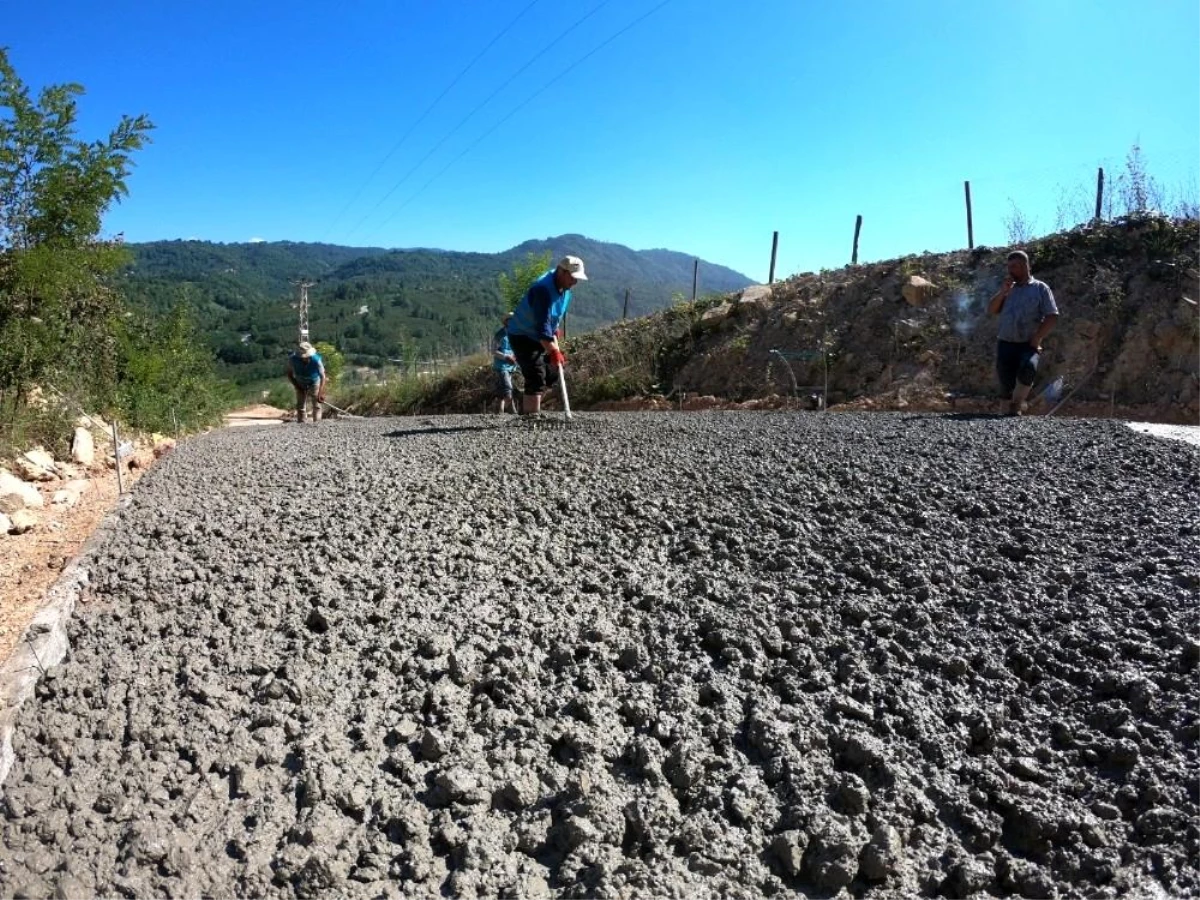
x=708 y=655
x=915 y=331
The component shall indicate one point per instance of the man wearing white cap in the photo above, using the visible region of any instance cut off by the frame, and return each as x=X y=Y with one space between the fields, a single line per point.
x=306 y=372
x=533 y=329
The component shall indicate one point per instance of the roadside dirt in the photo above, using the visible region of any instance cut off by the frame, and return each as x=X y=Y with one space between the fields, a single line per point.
x=30 y=562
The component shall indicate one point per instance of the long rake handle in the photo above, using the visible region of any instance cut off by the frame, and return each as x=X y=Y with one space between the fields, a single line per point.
x=562 y=392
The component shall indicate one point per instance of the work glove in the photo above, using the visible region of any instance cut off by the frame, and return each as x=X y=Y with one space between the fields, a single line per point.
x=556 y=358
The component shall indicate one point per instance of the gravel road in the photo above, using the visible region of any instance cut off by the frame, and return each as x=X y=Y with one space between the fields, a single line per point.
x=726 y=654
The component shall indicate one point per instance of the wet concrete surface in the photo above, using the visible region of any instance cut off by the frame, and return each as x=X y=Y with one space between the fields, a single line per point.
x=728 y=654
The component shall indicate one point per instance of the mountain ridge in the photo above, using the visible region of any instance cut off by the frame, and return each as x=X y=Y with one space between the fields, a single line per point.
x=378 y=304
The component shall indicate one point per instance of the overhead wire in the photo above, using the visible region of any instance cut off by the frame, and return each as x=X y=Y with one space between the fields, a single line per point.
x=511 y=78
x=545 y=87
x=432 y=106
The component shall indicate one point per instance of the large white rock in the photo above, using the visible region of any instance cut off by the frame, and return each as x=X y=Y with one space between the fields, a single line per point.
x=5 y=524
x=78 y=486
x=917 y=291
x=16 y=494
x=756 y=293
x=22 y=521
x=83 y=447
x=36 y=465
x=64 y=498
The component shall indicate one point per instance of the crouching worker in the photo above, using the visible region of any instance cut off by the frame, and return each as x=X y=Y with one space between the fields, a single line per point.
x=533 y=330
x=306 y=372
x=504 y=363
x=1027 y=314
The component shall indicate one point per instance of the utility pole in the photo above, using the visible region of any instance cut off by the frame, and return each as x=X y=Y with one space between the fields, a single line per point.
x=303 y=285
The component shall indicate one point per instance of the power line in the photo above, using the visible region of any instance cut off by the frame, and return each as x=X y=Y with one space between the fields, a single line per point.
x=533 y=59
x=545 y=87
x=413 y=127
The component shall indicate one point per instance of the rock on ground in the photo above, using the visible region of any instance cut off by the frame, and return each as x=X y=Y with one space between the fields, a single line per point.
x=83 y=447
x=22 y=521
x=16 y=494
x=725 y=654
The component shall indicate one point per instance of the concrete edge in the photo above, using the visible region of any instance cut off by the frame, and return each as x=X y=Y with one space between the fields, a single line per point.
x=44 y=642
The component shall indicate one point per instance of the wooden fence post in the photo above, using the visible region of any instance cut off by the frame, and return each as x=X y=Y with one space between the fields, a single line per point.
x=774 y=250
x=857 y=229
x=695 y=278
x=1099 y=193
x=117 y=456
x=970 y=225
x=625 y=312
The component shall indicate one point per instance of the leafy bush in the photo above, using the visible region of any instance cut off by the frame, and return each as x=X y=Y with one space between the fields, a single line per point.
x=281 y=396
x=335 y=363
x=47 y=424
x=165 y=376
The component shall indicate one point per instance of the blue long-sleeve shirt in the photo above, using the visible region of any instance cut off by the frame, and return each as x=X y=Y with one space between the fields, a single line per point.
x=540 y=311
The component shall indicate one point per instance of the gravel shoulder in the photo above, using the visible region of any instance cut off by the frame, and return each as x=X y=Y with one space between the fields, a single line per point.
x=717 y=654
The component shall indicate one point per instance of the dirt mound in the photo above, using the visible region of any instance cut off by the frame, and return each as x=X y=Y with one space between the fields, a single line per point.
x=1129 y=332
x=717 y=654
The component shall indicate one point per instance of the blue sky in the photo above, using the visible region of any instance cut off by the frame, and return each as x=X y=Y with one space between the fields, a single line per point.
x=702 y=128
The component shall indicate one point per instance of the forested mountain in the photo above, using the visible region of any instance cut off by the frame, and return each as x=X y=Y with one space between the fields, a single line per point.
x=377 y=304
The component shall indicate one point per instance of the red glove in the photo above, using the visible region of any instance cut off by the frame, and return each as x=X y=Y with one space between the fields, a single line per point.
x=556 y=358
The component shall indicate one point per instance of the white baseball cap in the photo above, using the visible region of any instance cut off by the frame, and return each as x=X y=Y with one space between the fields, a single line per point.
x=307 y=349
x=574 y=265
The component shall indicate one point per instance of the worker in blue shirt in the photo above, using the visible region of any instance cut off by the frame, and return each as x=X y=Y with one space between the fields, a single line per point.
x=504 y=363
x=306 y=372
x=533 y=329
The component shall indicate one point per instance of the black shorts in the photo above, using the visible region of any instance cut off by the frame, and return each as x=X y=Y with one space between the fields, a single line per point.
x=1015 y=362
x=535 y=367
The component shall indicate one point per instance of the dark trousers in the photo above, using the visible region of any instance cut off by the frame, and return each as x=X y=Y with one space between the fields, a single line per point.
x=1015 y=362
x=531 y=357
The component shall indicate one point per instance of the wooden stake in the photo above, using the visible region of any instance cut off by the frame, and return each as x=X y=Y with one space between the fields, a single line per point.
x=117 y=457
x=1099 y=193
x=970 y=226
x=774 y=250
x=857 y=229
x=625 y=312
x=695 y=278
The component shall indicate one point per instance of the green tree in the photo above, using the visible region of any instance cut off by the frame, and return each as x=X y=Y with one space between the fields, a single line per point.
x=57 y=302
x=335 y=363
x=513 y=286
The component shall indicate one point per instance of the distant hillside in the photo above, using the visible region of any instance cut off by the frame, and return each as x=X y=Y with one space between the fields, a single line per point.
x=377 y=304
